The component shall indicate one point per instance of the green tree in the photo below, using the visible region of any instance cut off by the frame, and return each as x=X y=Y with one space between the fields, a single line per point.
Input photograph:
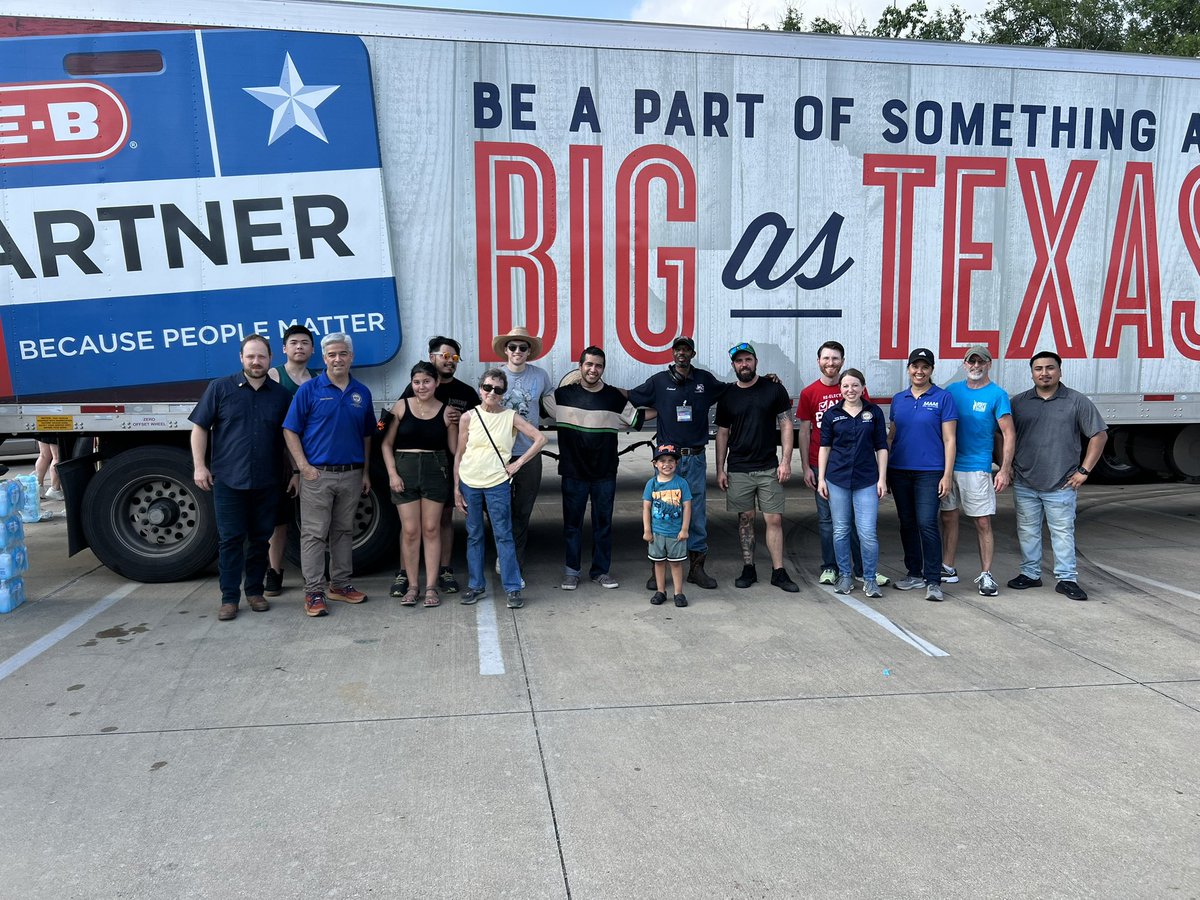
x=1074 y=24
x=915 y=22
x=1164 y=26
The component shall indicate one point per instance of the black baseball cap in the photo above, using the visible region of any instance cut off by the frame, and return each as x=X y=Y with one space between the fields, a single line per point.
x=686 y=341
x=921 y=354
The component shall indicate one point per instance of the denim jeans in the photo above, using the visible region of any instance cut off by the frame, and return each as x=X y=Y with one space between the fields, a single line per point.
x=825 y=530
x=851 y=508
x=499 y=507
x=575 y=495
x=917 y=507
x=1057 y=508
x=245 y=520
x=694 y=470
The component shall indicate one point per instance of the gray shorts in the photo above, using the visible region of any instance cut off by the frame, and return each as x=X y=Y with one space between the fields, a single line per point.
x=973 y=493
x=745 y=487
x=426 y=477
x=664 y=548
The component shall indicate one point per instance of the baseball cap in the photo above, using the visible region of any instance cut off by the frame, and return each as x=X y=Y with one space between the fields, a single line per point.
x=743 y=347
x=684 y=339
x=666 y=450
x=921 y=354
x=978 y=350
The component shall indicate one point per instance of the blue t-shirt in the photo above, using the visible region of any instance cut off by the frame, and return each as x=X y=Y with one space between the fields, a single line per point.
x=666 y=504
x=331 y=422
x=979 y=409
x=917 y=445
x=853 y=442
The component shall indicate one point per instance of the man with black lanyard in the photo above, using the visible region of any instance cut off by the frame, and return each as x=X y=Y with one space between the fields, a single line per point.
x=682 y=397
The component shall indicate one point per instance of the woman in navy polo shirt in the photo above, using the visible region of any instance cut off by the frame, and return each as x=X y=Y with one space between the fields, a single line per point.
x=852 y=476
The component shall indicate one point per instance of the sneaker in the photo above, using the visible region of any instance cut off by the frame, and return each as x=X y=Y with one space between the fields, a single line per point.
x=1023 y=581
x=658 y=599
x=987 y=585
x=880 y=579
x=872 y=590
x=845 y=584
x=680 y=600
x=497 y=566
x=346 y=594
x=472 y=596
x=273 y=583
x=400 y=586
x=514 y=600
x=909 y=582
x=748 y=577
x=828 y=576
x=934 y=592
x=605 y=581
x=52 y=493
x=446 y=581
x=949 y=574
x=569 y=582
x=314 y=604
x=781 y=580
x=1071 y=589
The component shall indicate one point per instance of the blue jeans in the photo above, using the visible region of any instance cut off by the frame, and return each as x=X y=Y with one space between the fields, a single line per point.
x=694 y=470
x=245 y=520
x=825 y=530
x=850 y=508
x=1057 y=508
x=499 y=508
x=575 y=495
x=917 y=507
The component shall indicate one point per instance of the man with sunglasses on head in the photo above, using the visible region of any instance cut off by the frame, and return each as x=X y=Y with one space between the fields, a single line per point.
x=445 y=354
x=527 y=385
x=682 y=397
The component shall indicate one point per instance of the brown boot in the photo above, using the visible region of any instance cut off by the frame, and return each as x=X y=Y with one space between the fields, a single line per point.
x=696 y=574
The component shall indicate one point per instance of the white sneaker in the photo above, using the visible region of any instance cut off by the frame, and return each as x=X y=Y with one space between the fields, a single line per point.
x=987 y=585
x=52 y=493
x=606 y=581
x=828 y=576
x=933 y=592
x=949 y=574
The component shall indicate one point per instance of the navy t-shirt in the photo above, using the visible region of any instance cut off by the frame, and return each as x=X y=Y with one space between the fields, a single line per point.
x=682 y=408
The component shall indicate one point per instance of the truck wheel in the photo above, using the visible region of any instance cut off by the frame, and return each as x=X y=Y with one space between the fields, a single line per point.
x=1115 y=465
x=145 y=519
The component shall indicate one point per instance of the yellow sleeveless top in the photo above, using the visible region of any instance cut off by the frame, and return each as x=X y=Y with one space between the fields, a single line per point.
x=480 y=466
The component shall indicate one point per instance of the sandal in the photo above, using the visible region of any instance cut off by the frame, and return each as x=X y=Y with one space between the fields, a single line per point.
x=409 y=598
x=432 y=598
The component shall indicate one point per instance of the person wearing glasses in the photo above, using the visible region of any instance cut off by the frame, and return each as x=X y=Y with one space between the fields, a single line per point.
x=484 y=465
x=527 y=385
x=445 y=354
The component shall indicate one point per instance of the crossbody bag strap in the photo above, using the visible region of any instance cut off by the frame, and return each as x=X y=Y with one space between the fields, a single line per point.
x=503 y=461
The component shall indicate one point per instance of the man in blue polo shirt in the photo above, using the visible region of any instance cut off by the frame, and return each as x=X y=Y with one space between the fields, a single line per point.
x=243 y=414
x=921 y=470
x=328 y=432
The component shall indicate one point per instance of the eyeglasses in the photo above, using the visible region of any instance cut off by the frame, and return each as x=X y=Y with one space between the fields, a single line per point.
x=449 y=357
x=743 y=347
x=491 y=389
x=517 y=348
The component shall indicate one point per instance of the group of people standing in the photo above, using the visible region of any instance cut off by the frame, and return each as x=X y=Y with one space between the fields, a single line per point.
x=447 y=445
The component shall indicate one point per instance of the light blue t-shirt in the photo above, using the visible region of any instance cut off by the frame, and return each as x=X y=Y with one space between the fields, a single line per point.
x=979 y=410
x=525 y=392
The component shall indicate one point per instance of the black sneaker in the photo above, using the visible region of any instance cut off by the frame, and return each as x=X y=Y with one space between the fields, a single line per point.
x=748 y=577
x=658 y=599
x=446 y=581
x=781 y=580
x=515 y=601
x=400 y=585
x=1023 y=581
x=273 y=583
x=1071 y=589
x=680 y=600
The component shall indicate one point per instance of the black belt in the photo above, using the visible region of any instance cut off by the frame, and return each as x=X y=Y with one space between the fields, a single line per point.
x=690 y=451
x=351 y=467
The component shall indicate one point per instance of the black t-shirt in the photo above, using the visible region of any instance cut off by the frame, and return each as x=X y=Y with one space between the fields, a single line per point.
x=750 y=414
x=457 y=394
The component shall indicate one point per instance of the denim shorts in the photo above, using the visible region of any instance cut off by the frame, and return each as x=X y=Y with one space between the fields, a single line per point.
x=665 y=548
x=426 y=476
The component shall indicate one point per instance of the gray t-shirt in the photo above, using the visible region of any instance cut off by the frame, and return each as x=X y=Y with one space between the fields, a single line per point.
x=1050 y=435
x=525 y=392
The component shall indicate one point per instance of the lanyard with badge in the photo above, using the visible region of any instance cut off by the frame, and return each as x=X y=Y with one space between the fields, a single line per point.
x=683 y=412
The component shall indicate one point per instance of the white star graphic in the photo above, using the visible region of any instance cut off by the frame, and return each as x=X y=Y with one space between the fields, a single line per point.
x=294 y=102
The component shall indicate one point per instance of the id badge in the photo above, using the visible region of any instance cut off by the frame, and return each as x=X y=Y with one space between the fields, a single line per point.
x=683 y=413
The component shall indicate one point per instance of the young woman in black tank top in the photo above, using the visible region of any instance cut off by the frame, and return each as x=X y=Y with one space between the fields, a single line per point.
x=417 y=448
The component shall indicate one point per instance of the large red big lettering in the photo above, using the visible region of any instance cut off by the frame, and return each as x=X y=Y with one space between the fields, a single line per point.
x=962 y=255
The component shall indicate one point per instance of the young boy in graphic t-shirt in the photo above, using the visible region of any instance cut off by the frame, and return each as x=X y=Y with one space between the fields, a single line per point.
x=666 y=515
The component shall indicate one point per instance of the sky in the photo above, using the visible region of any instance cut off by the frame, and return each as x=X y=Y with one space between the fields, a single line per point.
x=730 y=13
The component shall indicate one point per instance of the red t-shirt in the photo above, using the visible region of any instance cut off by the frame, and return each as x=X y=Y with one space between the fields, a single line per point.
x=814 y=400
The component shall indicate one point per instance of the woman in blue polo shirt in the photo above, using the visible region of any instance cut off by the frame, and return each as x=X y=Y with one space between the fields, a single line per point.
x=921 y=469
x=852 y=476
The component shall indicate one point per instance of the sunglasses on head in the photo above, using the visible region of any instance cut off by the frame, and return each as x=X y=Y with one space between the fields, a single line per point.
x=518 y=348
x=491 y=389
x=452 y=357
x=743 y=347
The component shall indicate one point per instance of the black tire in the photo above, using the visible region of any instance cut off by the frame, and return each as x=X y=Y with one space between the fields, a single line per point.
x=1114 y=465
x=145 y=519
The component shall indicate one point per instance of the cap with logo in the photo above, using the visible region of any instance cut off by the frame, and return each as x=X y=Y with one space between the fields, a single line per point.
x=978 y=350
x=686 y=341
x=666 y=450
x=921 y=354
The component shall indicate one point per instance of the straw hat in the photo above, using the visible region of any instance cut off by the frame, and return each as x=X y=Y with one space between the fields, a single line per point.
x=519 y=333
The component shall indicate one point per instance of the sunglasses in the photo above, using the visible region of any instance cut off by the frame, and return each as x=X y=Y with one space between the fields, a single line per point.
x=451 y=357
x=491 y=389
x=743 y=347
x=517 y=348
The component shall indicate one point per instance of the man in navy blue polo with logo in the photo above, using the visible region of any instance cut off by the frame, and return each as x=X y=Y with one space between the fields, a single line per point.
x=923 y=431
x=682 y=396
x=242 y=413
x=328 y=432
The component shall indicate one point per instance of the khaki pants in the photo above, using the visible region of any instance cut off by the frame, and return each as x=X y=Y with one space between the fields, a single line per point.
x=327 y=507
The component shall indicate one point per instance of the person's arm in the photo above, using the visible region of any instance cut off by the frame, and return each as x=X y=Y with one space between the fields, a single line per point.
x=822 y=466
x=722 y=449
x=786 y=441
x=539 y=441
x=806 y=473
x=950 y=443
x=464 y=429
x=881 y=458
x=687 y=521
x=451 y=430
x=387 y=448
x=1095 y=447
x=647 y=533
x=1008 y=435
x=200 y=474
x=307 y=472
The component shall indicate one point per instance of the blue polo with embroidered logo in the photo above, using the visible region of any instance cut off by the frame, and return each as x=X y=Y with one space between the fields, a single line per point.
x=918 y=445
x=331 y=422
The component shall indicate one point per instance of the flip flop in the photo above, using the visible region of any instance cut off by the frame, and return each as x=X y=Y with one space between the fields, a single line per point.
x=432 y=598
x=410 y=597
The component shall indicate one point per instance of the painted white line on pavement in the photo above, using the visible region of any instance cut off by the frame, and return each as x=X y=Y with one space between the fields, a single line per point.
x=904 y=634
x=1158 y=512
x=1161 y=585
x=41 y=645
x=491 y=660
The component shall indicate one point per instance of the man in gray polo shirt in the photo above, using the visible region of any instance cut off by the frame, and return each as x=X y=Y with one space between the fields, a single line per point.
x=1051 y=422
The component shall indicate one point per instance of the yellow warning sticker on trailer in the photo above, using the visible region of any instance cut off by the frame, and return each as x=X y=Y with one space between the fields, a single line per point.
x=55 y=423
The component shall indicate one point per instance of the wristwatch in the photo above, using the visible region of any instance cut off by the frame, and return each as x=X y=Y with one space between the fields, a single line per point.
x=1082 y=471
